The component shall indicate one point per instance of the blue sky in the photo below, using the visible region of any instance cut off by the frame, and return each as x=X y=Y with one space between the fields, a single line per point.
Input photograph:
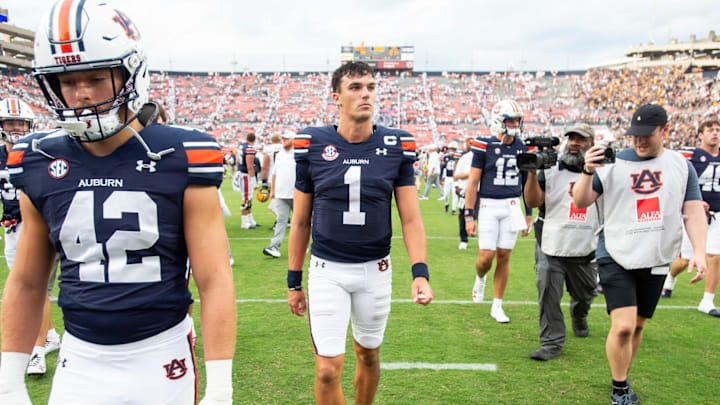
x=274 y=35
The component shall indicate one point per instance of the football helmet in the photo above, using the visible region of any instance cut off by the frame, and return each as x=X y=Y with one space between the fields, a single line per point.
x=14 y=109
x=82 y=35
x=453 y=145
x=503 y=110
x=262 y=194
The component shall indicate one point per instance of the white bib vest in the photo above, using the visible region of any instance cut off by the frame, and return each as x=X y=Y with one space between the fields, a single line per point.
x=642 y=209
x=567 y=231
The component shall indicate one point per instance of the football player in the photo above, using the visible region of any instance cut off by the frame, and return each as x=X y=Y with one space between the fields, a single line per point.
x=706 y=161
x=449 y=161
x=346 y=177
x=124 y=205
x=17 y=120
x=247 y=179
x=499 y=215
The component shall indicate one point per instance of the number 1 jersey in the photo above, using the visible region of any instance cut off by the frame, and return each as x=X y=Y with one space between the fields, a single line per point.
x=352 y=186
x=117 y=223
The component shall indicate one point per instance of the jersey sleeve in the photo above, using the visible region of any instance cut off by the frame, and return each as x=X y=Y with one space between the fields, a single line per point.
x=541 y=179
x=692 y=189
x=597 y=184
x=301 y=146
x=204 y=161
x=478 y=147
x=15 y=164
x=407 y=142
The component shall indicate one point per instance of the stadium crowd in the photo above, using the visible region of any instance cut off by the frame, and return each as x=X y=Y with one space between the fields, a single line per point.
x=434 y=108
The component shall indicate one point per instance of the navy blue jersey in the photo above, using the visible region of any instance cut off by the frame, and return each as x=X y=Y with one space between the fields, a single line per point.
x=8 y=192
x=243 y=151
x=117 y=223
x=500 y=176
x=707 y=168
x=449 y=161
x=352 y=186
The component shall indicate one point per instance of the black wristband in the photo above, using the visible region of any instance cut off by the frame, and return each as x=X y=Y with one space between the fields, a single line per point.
x=584 y=170
x=294 y=280
x=420 y=270
x=469 y=212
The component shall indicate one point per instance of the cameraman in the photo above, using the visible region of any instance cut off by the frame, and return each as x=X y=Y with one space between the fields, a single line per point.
x=565 y=249
x=642 y=200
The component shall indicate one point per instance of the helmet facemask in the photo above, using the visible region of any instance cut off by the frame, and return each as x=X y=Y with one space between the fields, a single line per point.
x=103 y=119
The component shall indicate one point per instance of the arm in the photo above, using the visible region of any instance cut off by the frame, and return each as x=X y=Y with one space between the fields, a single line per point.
x=534 y=195
x=249 y=163
x=23 y=298
x=297 y=245
x=696 y=226
x=272 y=186
x=207 y=243
x=265 y=167
x=414 y=237
x=461 y=176
x=26 y=286
x=470 y=197
x=583 y=193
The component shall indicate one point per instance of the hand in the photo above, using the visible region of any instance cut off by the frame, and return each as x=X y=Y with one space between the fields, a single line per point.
x=422 y=293
x=470 y=227
x=699 y=262
x=253 y=183
x=526 y=231
x=592 y=156
x=296 y=300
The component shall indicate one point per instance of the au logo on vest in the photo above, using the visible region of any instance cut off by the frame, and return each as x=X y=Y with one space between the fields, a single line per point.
x=646 y=182
x=648 y=210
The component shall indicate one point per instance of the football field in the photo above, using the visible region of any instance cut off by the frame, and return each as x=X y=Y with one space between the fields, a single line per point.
x=452 y=351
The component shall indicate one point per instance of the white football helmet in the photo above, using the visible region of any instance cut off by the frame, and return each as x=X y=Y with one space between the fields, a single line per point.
x=453 y=145
x=503 y=110
x=81 y=35
x=14 y=109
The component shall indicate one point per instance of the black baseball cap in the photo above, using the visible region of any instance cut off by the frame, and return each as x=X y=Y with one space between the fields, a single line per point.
x=646 y=119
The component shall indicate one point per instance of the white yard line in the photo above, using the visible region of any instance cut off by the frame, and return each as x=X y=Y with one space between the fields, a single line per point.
x=439 y=366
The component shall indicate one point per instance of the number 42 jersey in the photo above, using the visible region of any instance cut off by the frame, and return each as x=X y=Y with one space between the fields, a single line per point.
x=352 y=186
x=117 y=223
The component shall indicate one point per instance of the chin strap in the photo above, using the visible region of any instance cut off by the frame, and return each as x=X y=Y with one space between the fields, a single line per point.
x=150 y=154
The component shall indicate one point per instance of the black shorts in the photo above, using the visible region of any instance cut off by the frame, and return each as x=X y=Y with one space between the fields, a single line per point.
x=630 y=288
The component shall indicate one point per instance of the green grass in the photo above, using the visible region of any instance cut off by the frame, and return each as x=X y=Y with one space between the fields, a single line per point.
x=274 y=364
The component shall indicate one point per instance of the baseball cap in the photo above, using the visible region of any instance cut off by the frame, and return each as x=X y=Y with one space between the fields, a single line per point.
x=646 y=119
x=583 y=130
x=288 y=135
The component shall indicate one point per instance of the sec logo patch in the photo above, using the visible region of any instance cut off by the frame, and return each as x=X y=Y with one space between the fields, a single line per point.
x=58 y=168
x=330 y=153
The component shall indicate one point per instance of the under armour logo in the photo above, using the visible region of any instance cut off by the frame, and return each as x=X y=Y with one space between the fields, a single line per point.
x=319 y=264
x=142 y=165
x=381 y=151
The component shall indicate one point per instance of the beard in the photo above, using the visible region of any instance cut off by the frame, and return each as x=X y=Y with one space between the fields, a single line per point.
x=573 y=160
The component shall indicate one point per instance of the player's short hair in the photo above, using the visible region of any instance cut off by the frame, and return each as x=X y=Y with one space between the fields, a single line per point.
x=706 y=124
x=275 y=137
x=250 y=137
x=350 y=69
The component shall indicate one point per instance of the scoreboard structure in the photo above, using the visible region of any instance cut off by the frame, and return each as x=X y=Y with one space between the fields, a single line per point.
x=380 y=57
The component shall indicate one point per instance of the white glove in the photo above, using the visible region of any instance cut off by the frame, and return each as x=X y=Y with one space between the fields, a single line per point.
x=219 y=385
x=12 y=379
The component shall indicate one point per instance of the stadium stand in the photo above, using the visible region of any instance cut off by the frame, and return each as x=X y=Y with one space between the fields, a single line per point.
x=435 y=108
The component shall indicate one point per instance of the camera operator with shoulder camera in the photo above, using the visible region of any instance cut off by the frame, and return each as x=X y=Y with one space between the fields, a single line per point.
x=565 y=245
x=642 y=199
